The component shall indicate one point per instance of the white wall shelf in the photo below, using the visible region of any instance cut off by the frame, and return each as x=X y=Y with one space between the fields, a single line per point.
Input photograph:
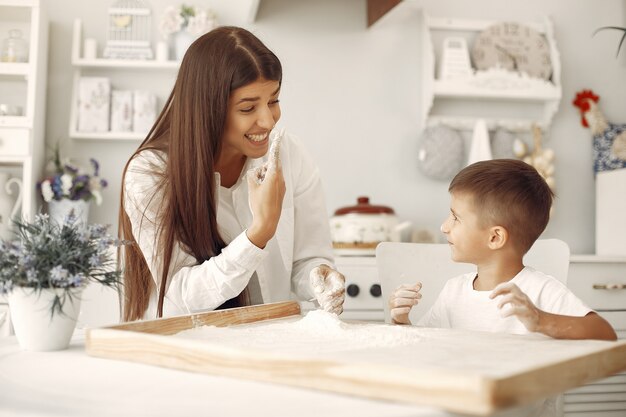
x=115 y=136
x=14 y=68
x=468 y=89
x=504 y=97
x=79 y=61
x=12 y=160
x=511 y=124
x=15 y=121
x=125 y=64
x=24 y=84
x=107 y=67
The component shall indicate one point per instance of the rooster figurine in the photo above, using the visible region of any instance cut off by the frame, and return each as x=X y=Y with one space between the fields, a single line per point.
x=609 y=139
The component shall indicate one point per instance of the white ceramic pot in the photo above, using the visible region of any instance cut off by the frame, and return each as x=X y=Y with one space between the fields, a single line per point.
x=59 y=210
x=364 y=226
x=35 y=328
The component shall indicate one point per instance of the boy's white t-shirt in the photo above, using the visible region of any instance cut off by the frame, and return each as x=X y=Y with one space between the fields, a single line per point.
x=460 y=306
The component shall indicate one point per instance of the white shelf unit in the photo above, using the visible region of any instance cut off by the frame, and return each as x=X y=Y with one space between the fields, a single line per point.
x=24 y=84
x=121 y=69
x=497 y=96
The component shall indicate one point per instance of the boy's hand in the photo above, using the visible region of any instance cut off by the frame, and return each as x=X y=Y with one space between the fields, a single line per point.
x=329 y=288
x=520 y=305
x=401 y=302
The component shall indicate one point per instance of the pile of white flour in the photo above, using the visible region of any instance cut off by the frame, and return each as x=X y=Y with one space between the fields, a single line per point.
x=318 y=331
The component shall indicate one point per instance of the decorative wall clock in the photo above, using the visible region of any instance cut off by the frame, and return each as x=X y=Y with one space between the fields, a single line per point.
x=515 y=47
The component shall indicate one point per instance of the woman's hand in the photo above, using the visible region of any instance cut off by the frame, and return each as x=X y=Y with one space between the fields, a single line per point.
x=329 y=288
x=266 y=203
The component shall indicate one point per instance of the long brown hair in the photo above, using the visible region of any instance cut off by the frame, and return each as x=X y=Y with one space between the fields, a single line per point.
x=189 y=132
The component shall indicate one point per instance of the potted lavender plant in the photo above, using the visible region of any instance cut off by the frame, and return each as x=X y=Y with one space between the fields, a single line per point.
x=43 y=272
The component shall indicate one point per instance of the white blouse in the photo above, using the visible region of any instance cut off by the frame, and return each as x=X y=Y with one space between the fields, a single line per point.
x=302 y=240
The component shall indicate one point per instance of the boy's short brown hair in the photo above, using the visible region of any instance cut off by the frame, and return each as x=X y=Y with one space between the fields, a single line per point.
x=508 y=193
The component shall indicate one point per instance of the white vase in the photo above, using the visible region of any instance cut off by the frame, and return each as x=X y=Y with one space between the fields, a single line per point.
x=59 y=210
x=36 y=329
x=182 y=40
x=9 y=206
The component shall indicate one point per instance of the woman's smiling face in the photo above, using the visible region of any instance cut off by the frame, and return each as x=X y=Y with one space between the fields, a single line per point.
x=253 y=110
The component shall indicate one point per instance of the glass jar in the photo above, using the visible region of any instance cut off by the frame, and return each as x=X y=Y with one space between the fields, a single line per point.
x=14 y=48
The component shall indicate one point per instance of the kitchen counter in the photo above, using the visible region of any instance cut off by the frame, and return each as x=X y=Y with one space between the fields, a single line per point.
x=71 y=383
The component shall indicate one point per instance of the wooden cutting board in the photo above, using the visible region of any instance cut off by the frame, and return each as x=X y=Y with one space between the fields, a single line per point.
x=461 y=371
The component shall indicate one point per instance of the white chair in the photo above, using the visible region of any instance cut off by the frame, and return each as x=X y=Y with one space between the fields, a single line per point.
x=431 y=264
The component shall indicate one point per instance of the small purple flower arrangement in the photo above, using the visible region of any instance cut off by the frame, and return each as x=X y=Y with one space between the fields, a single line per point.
x=72 y=183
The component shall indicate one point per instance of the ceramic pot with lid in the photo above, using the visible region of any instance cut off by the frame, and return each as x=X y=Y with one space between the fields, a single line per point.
x=364 y=226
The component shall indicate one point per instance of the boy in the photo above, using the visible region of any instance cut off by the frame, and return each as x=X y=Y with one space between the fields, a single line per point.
x=498 y=209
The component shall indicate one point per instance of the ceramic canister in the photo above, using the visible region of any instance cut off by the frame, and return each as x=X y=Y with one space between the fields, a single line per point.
x=364 y=225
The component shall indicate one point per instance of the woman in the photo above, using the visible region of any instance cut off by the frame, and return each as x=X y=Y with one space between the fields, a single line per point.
x=204 y=233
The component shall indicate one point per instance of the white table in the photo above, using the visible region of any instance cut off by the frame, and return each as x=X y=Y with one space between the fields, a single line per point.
x=71 y=383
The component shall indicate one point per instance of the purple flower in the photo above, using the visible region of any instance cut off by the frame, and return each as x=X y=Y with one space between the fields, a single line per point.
x=97 y=231
x=58 y=273
x=14 y=249
x=81 y=179
x=28 y=259
x=83 y=186
x=96 y=167
x=76 y=280
x=57 y=187
x=94 y=261
x=31 y=275
x=71 y=169
x=6 y=287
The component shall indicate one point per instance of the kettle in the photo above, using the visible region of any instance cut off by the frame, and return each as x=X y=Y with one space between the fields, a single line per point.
x=364 y=226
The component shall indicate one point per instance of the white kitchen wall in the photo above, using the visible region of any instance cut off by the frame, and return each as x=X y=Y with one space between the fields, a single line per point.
x=352 y=94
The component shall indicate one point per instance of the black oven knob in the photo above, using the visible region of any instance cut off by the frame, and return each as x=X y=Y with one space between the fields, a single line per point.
x=353 y=290
x=375 y=290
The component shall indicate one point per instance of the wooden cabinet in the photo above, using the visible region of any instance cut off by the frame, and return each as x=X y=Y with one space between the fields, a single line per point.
x=23 y=86
x=601 y=283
